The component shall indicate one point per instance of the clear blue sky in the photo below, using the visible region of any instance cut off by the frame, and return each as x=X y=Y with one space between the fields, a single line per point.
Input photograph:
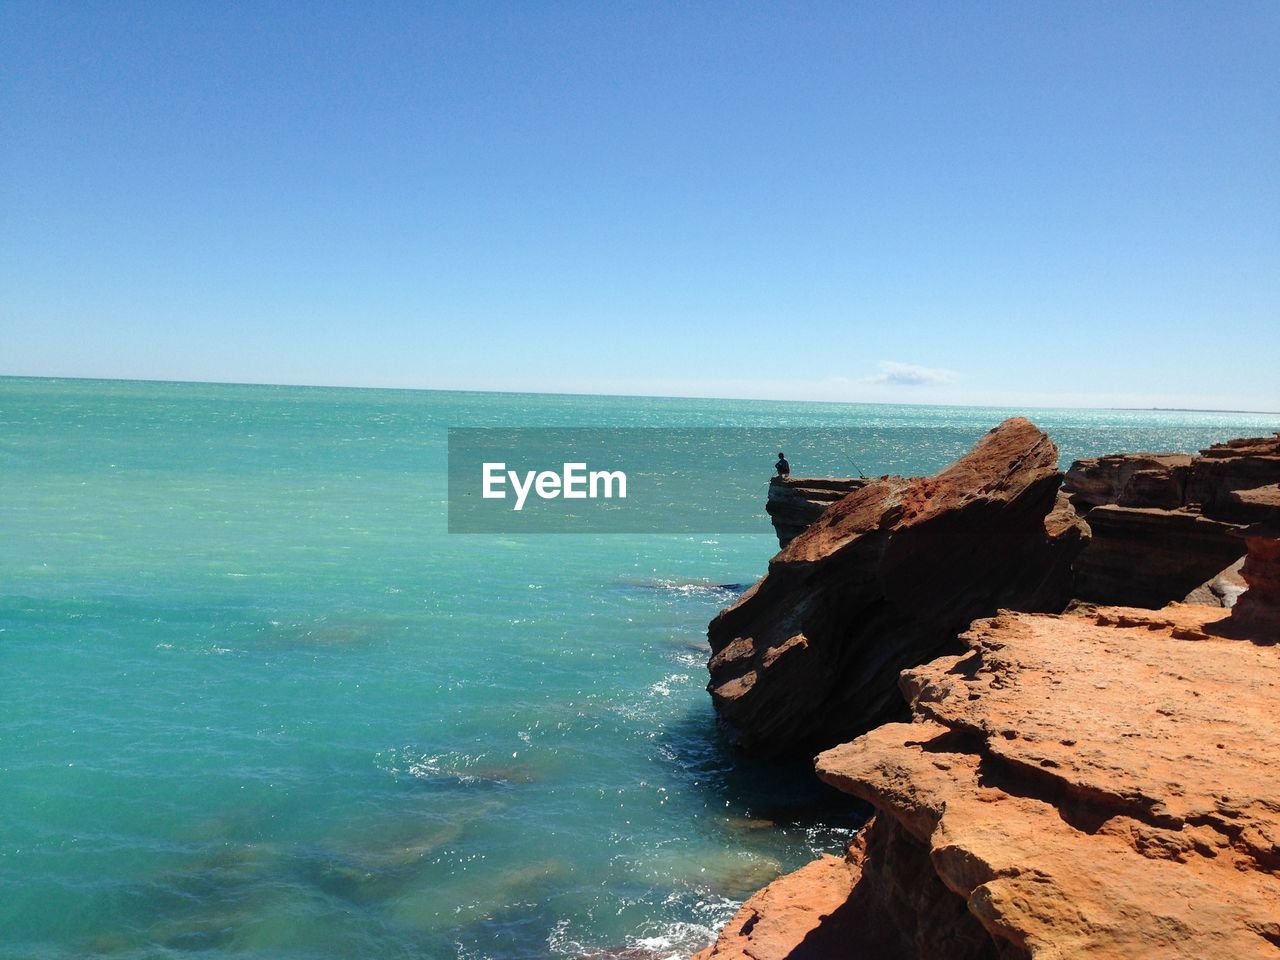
x=1066 y=203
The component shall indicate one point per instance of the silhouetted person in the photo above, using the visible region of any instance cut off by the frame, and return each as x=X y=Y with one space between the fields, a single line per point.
x=783 y=468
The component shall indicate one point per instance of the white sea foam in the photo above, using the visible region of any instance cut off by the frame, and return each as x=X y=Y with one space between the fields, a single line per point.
x=663 y=939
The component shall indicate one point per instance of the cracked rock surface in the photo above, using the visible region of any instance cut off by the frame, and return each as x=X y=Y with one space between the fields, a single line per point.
x=1101 y=784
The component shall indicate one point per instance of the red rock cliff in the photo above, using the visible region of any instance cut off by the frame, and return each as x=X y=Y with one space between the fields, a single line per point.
x=886 y=579
x=1099 y=784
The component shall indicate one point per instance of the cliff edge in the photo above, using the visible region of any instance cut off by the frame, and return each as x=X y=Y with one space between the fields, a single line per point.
x=885 y=579
x=1099 y=783
x=794 y=503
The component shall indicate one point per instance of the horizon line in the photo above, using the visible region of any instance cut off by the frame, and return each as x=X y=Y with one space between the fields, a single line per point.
x=628 y=396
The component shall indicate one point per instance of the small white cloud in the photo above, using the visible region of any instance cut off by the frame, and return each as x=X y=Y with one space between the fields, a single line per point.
x=911 y=375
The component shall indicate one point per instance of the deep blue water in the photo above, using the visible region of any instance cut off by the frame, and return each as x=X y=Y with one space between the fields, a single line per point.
x=259 y=704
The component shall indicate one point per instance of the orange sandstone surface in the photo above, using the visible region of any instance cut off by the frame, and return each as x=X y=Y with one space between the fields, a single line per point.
x=1101 y=784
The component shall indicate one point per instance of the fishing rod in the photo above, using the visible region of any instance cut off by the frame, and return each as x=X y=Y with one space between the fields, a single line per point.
x=861 y=475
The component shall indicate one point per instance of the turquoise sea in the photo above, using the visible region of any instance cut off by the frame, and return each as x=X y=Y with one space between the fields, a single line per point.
x=258 y=703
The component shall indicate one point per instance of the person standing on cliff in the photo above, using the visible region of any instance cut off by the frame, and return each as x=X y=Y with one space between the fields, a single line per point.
x=783 y=468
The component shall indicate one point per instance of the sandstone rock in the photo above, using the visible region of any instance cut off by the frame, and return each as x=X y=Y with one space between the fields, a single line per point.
x=1258 y=504
x=887 y=578
x=1223 y=590
x=1096 y=785
x=883 y=900
x=794 y=502
x=773 y=923
x=1259 y=607
x=1147 y=557
x=1096 y=481
x=1154 y=488
x=1205 y=483
x=1164 y=524
x=1226 y=468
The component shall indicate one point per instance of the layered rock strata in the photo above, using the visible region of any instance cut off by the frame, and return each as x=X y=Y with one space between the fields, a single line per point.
x=1099 y=784
x=1163 y=524
x=1259 y=607
x=1256 y=504
x=1095 y=481
x=1146 y=556
x=796 y=502
x=1226 y=468
x=886 y=579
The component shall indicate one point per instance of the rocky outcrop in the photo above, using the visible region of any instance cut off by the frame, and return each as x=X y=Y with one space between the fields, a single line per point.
x=1222 y=590
x=795 y=502
x=1226 y=468
x=1256 y=504
x=886 y=579
x=1098 y=784
x=1259 y=606
x=1161 y=480
x=883 y=899
x=1163 y=524
x=802 y=907
x=1146 y=557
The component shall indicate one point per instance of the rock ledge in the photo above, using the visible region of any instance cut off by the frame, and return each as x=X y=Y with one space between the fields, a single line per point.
x=1100 y=784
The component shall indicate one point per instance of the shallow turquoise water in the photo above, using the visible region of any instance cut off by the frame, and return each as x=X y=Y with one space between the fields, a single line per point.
x=259 y=703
